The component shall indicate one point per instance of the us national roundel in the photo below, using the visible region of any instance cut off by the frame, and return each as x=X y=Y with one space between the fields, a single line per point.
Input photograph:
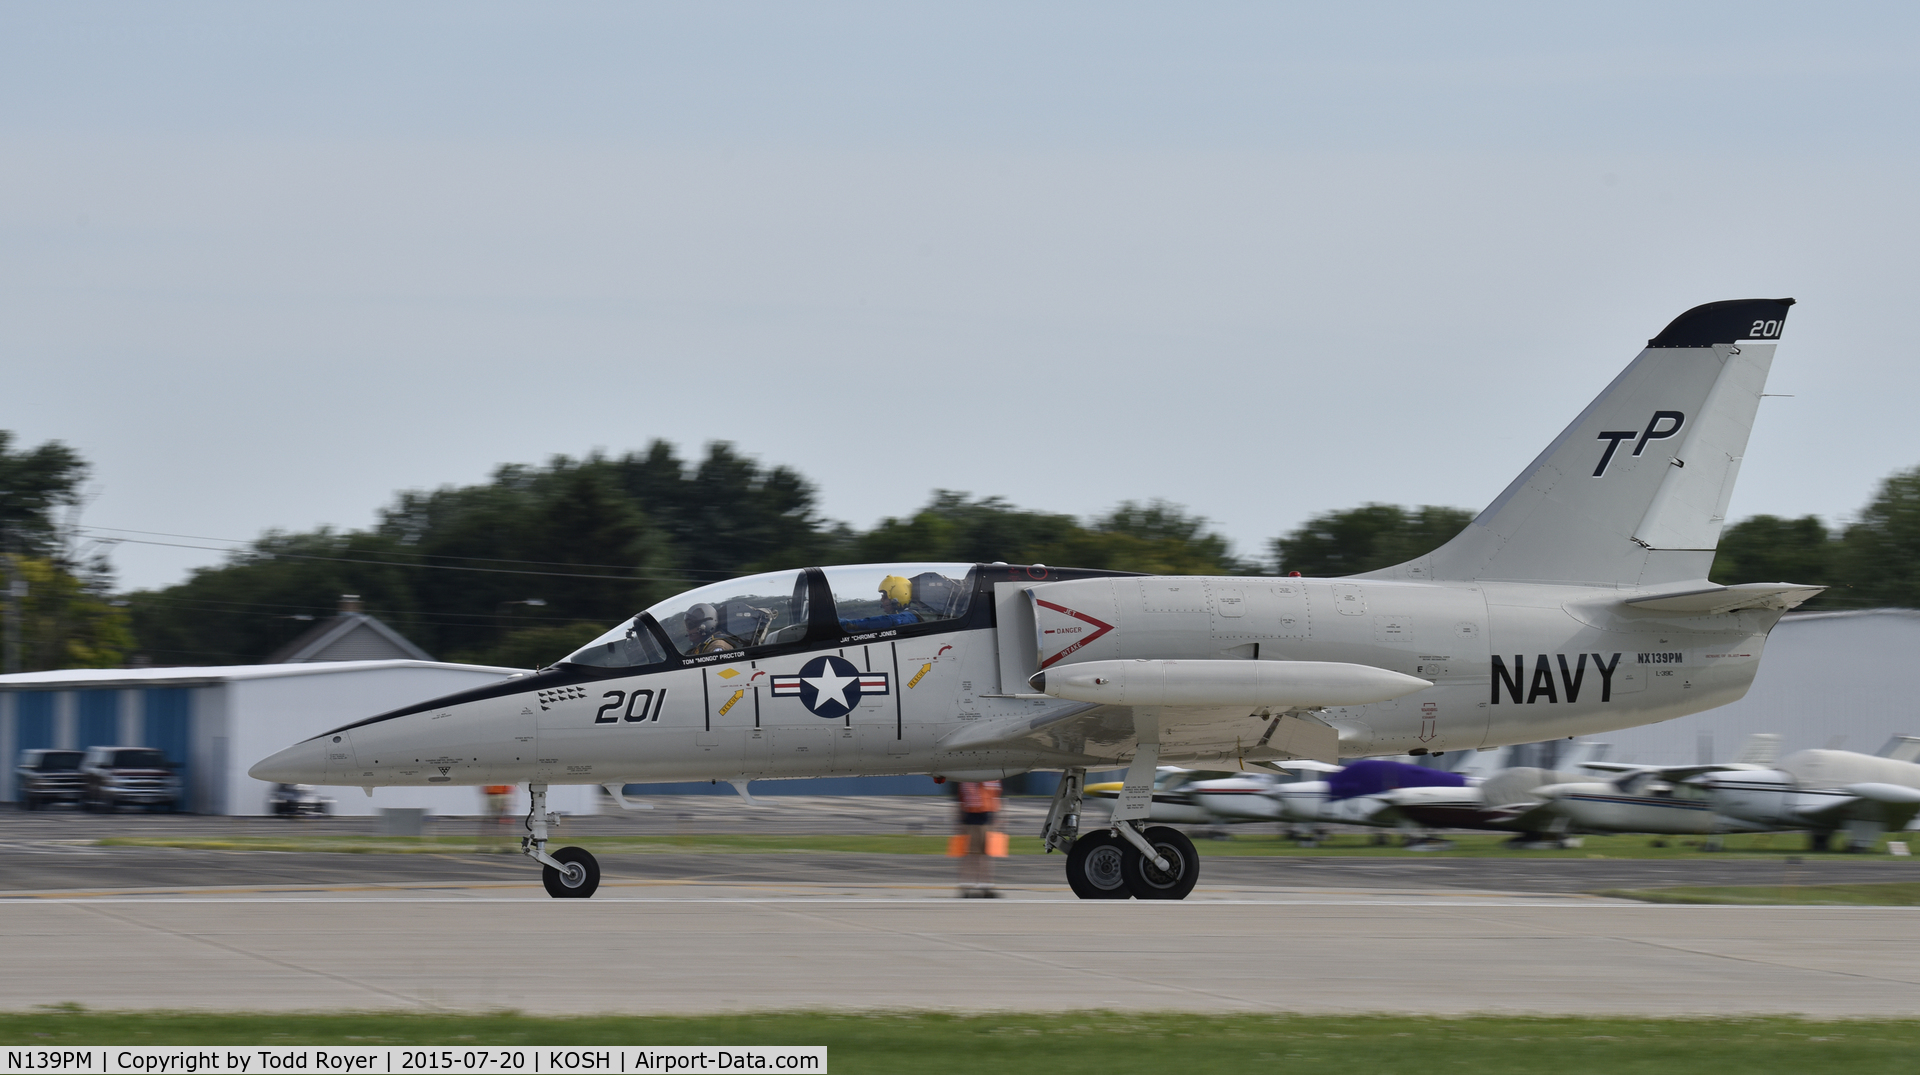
x=830 y=686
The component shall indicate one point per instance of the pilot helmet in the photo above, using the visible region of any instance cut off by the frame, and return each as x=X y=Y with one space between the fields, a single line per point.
x=702 y=619
x=896 y=589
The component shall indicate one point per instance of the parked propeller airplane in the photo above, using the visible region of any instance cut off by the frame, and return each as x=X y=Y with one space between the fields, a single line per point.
x=1859 y=796
x=1577 y=602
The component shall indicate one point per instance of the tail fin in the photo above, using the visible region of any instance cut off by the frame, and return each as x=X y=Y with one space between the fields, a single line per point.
x=1635 y=491
x=1761 y=748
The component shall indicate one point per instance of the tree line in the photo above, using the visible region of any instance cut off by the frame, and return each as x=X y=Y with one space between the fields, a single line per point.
x=524 y=567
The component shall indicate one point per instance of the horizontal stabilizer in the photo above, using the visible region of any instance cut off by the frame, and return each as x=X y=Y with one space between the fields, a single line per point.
x=1278 y=684
x=1718 y=599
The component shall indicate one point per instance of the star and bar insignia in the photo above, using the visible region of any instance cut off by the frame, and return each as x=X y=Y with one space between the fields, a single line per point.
x=831 y=686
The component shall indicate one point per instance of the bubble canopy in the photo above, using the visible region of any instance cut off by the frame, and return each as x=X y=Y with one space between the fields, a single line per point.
x=779 y=608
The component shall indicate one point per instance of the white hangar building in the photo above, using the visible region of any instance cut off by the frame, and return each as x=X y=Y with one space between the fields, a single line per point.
x=1827 y=679
x=216 y=722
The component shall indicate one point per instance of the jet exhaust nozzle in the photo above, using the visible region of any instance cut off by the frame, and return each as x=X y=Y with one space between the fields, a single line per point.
x=1291 y=684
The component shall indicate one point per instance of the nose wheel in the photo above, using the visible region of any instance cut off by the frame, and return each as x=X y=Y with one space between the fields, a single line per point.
x=577 y=877
x=571 y=873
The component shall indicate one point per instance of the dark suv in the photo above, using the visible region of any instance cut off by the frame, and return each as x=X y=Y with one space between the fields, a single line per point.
x=48 y=776
x=129 y=776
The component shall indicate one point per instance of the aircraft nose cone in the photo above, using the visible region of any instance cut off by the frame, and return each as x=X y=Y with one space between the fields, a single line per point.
x=301 y=763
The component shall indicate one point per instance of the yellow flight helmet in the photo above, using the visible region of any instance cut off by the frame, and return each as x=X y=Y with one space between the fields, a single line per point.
x=896 y=589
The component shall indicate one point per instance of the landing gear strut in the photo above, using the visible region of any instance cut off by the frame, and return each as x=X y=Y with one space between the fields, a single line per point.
x=569 y=873
x=1062 y=827
x=1128 y=859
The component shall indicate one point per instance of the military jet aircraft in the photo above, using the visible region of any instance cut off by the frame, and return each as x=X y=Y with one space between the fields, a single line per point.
x=1577 y=602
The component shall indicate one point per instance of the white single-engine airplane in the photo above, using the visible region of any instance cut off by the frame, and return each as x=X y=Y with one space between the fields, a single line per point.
x=1576 y=603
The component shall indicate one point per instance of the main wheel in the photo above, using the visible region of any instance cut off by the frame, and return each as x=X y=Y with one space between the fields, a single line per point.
x=580 y=879
x=1093 y=867
x=1147 y=881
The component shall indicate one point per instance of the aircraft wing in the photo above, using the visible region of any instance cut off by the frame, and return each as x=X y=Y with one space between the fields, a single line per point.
x=1892 y=805
x=1302 y=765
x=1718 y=599
x=1092 y=733
x=1669 y=772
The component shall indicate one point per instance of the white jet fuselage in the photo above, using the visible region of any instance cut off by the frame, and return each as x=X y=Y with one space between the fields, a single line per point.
x=1576 y=603
x=1508 y=663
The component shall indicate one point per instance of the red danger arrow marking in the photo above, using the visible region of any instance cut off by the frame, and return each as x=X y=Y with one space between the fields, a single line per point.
x=1063 y=610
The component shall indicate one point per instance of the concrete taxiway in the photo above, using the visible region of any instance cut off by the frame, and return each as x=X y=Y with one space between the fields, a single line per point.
x=141 y=927
x=653 y=947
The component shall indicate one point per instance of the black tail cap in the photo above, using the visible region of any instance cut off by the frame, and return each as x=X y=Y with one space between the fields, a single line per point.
x=1725 y=322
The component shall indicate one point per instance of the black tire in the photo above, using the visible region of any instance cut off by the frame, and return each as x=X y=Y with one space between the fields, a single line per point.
x=577 y=887
x=1146 y=881
x=1094 y=867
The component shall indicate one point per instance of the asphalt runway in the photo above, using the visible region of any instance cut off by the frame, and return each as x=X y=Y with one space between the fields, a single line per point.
x=247 y=930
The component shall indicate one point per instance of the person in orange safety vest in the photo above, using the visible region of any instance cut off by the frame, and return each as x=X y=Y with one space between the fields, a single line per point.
x=979 y=801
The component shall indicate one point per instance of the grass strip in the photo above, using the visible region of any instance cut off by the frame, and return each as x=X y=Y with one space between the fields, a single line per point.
x=1073 y=1042
x=1868 y=894
x=1754 y=846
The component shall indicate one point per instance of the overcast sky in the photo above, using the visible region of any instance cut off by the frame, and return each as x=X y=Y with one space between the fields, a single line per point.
x=265 y=264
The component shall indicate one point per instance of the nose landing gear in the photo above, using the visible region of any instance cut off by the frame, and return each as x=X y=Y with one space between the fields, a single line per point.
x=579 y=878
x=569 y=873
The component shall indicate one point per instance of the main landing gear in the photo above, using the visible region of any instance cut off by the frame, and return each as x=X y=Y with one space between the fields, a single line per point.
x=1130 y=860
x=569 y=873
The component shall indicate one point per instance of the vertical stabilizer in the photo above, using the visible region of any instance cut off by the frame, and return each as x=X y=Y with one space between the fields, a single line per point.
x=1635 y=491
x=1761 y=748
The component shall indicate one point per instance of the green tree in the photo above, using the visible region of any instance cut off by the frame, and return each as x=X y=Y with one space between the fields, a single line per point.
x=729 y=515
x=565 y=536
x=34 y=486
x=1767 y=548
x=1366 y=538
x=1879 y=558
x=535 y=647
x=65 y=618
x=954 y=527
x=1157 y=537
x=68 y=620
x=269 y=594
x=534 y=562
